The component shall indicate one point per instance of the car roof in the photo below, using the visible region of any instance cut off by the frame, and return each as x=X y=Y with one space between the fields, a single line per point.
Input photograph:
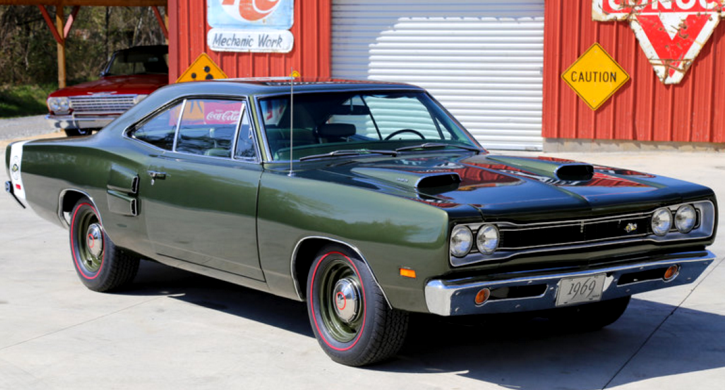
x=262 y=86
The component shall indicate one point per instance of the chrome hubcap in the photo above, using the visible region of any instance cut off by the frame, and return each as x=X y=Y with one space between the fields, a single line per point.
x=94 y=240
x=346 y=297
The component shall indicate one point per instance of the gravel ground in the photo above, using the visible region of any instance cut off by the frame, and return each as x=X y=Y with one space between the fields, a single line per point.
x=24 y=127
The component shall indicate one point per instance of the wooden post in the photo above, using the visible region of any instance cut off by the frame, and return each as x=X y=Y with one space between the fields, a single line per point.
x=61 y=46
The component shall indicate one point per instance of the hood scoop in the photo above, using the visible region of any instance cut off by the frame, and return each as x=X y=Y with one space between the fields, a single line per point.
x=552 y=169
x=431 y=183
x=575 y=172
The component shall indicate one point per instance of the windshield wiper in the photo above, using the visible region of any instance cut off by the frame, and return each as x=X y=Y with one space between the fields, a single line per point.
x=348 y=152
x=430 y=145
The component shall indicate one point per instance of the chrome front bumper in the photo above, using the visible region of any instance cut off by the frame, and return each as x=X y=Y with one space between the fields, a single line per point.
x=81 y=122
x=457 y=297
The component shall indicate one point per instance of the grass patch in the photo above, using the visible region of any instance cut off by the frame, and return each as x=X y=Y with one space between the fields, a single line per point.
x=24 y=100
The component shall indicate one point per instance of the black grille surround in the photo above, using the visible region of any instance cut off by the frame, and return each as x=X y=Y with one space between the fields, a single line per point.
x=539 y=237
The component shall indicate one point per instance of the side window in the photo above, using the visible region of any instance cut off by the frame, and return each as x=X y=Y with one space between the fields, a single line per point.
x=208 y=126
x=245 y=142
x=159 y=130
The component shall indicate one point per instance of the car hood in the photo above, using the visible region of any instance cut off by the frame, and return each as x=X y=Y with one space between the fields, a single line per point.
x=119 y=85
x=510 y=185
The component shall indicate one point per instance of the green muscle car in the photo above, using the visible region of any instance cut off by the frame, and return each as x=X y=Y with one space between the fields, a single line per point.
x=366 y=200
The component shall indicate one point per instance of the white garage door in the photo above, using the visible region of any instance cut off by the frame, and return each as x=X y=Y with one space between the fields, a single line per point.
x=483 y=59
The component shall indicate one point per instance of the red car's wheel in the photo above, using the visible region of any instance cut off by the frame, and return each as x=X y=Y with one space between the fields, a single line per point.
x=349 y=315
x=100 y=265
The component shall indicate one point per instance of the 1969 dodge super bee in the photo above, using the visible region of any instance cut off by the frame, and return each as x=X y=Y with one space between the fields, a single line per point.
x=366 y=200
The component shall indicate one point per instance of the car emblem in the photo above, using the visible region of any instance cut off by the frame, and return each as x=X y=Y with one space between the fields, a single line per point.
x=15 y=168
x=631 y=227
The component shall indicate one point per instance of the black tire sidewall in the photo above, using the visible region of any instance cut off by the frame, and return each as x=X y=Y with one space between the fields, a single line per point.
x=344 y=352
x=91 y=280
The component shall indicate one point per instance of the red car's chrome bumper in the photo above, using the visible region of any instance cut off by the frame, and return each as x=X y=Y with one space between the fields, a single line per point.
x=80 y=122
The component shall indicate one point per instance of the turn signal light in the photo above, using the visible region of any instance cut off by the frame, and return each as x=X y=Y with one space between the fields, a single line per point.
x=671 y=272
x=483 y=296
x=408 y=273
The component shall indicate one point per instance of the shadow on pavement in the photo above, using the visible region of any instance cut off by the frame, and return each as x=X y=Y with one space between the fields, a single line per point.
x=512 y=351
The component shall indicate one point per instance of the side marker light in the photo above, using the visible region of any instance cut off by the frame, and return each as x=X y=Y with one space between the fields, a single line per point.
x=408 y=273
x=482 y=296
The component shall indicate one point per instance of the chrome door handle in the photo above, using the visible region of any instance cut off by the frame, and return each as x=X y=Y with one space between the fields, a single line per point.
x=156 y=176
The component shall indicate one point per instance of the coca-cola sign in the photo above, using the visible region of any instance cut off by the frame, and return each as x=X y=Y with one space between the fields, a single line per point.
x=222 y=117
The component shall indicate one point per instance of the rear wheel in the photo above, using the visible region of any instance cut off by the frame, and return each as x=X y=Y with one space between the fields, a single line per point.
x=100 y=264
x=591 y=316
x=348 y=312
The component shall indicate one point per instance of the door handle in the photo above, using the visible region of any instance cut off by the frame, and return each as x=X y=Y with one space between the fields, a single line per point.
x=155 y=175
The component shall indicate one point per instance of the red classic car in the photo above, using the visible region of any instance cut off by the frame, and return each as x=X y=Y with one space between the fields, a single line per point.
x=130 y=76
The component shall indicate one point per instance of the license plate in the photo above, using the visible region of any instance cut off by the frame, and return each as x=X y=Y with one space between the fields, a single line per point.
x=580 y=289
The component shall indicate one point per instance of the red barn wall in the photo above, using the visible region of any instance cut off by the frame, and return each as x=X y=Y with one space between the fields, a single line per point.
x=644 y=109
x=310 y=55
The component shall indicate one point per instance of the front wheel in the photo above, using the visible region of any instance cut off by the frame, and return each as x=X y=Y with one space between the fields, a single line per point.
x=348 y=312
x=101 y=265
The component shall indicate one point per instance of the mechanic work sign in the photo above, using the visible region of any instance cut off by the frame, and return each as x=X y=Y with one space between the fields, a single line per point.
x=250 y=25
x=670 y=32
x=203 y=68
x=595 y=76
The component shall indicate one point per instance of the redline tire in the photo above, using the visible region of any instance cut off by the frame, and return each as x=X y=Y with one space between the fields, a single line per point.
x=372 y=333
x=100 y=264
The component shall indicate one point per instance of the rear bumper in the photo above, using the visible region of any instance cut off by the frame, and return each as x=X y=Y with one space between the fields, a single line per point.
x=80 y=122
x=539 y=292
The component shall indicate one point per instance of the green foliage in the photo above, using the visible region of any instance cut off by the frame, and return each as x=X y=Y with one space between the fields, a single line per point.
x=28 y=54
x=24 y=100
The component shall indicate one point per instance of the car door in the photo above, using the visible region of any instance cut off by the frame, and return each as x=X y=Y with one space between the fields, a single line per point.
x=200 y=203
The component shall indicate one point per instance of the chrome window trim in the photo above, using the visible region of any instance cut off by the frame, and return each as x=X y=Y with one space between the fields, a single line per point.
x=178 y=125
x=704 y=229
x=293 y=260
x=183 y=99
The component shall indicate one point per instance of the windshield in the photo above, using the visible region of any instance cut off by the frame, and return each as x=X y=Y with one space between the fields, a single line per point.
x=323 y=123
x=139 y=61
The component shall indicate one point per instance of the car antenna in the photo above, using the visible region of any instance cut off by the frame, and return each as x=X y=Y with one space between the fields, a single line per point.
x=293 y=75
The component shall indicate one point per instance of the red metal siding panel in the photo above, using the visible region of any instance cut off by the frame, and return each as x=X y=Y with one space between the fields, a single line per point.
x=310 y=56
x=642 y=110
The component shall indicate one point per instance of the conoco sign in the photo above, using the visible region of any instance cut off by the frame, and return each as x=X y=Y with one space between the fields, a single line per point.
x=671 y=32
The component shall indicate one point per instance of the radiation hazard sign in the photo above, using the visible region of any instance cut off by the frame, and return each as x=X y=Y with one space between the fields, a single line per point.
x=595 y=76
x=203 y=68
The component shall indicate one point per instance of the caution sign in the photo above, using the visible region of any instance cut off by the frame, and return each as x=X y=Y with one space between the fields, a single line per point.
x=203 y=68
x=595 y=76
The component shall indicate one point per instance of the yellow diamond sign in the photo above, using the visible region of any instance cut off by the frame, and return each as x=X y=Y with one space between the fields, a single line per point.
x=203 y=68
x=595 y=76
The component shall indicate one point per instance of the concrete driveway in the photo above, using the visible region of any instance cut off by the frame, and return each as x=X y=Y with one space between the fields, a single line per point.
x=177 y=330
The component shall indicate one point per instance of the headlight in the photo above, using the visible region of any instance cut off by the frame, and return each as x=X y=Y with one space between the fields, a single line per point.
x=661 y=221
x=461 y=240
x=60 y=105
x=685 y=218
x=487 y=239
x=138 y=98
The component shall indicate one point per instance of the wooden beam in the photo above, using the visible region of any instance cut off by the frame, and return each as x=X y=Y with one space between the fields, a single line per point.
x=51 y=25
x=162 y=23
x=93 y=3
x=61 y=47
x=69 y=22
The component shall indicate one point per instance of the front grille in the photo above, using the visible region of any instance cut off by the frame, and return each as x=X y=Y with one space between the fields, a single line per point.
x=101 y=104
x=525 y=237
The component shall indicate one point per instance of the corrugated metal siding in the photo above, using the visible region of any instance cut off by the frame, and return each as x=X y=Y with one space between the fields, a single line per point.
x=642 y=110
x=482 y=59
x=310 y=55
